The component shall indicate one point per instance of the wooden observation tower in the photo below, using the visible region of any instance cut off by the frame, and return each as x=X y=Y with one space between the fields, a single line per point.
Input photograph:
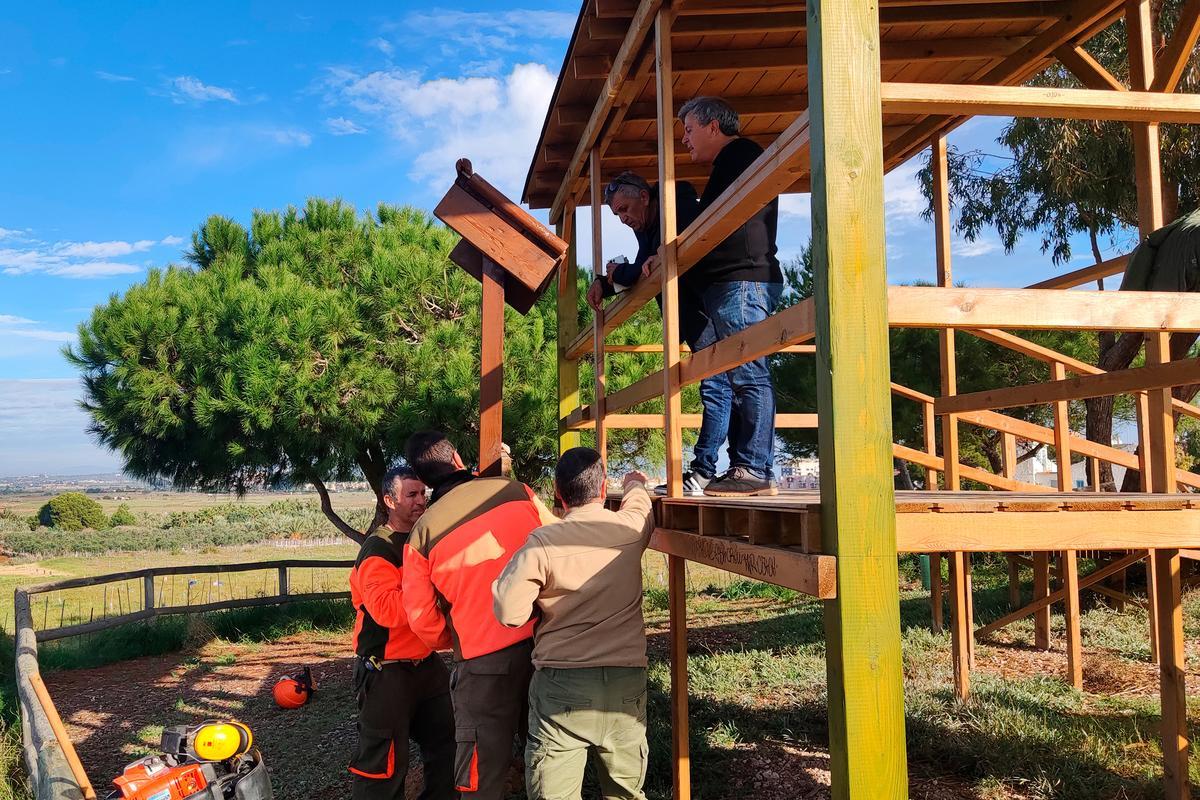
x=839 y=92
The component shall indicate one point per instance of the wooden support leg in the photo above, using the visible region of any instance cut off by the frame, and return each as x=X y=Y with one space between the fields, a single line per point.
x=1014 y=583
x=969 y=589
x=935 y=590
x=491 y=369
x=1152 y=579
x=1074 y=644
x=960 y=631
x=1171 y=672
x=867 y=753
x=568 y=327
x=1041 y=588
x=681 y=772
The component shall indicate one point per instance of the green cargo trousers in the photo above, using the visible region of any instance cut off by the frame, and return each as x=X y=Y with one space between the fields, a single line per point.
x=589 y=712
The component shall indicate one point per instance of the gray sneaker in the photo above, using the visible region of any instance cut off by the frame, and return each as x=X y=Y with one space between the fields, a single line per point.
x=740 y=482
x=693 y=485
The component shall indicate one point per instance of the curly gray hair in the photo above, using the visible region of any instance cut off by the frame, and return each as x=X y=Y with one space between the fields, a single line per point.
x=706 y=109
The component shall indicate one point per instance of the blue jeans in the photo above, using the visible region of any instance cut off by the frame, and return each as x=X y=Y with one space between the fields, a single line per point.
x=741 y=402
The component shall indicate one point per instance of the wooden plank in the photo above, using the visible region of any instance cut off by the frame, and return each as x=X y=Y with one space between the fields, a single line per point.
x=934 y=14
x=646 y=388
x=627 y=421
x=681 y=768
x=64 y=740
x=947 y=362
x=598 y=403
x=1040 y=309
x=567 y=311
x=929 y=428
x=867 y=754
x=1062 y=433
x=1153 y=376
x=935 y=592
x=1087 y=69
x=1036 y=532
x=1173 y=60
x=1172 y=674
x=494 y=236
x=807 y=349
x=1074 y=637
x=672 y=401
x=1035 y=101
x=790 y=326
x=1068 y=280
x=810 y=573
x=960 y=630
x=972 y=473
x=491 y=369
x=614 y=88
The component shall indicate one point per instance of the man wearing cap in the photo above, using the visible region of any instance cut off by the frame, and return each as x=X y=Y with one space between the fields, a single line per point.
x=401 y=684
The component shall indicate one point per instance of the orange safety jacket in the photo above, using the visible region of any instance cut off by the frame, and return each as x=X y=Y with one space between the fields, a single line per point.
x=458 y=547
x=380 y=625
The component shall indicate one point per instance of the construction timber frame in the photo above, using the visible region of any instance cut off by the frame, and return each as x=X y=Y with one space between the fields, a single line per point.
x=840 y=92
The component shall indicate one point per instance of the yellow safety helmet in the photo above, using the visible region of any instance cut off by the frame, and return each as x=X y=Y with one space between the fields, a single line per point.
x=220 y=741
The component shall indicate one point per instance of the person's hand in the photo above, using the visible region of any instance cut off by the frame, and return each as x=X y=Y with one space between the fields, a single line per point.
x=632 y=478
x=609 y=269
x=595 y=294
x=650 y=265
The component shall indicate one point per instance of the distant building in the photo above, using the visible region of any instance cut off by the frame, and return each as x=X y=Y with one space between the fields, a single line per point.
x=799 y=473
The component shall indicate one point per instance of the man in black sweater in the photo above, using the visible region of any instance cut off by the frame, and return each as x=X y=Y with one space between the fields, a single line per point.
x=635 y=202
x=740 y=284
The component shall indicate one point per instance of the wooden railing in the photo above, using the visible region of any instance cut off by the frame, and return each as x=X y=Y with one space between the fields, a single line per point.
x=49 y=754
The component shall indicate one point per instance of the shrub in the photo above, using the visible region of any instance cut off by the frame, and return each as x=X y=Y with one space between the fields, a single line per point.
x=72 y=511
x=122 y=516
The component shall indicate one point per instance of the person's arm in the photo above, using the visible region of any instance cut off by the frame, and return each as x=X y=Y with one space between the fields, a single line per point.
x=420 y=601
x=382 y=594
x=636 y=509
x=516 y=591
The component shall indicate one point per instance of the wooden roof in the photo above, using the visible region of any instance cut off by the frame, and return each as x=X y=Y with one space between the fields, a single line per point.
x=753 y=54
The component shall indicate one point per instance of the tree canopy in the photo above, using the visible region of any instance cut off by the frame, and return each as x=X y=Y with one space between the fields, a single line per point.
x=305 y=349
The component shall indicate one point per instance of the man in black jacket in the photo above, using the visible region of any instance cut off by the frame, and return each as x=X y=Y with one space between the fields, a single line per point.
x=635 y=202
x=740 y=284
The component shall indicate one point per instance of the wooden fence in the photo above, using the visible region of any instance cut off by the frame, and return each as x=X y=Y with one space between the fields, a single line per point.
x=48 y=755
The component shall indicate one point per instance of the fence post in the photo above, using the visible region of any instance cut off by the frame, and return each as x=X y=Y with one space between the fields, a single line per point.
x=148 y=592
x=283 y=581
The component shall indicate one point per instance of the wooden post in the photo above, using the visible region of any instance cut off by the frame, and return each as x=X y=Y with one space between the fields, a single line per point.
x=1074 y=641
x=935 y=590
x=868 y=760
x=491 y=369
x=568 y=328
x=1014 y=583
x=672 y=404
x=960 y=632
x=1041 y=589
x=598 y=403
x=1009 y=454
x=148 y=593
x=949 y=371
x=283 y=582
x=929 y=424
x=681 y=772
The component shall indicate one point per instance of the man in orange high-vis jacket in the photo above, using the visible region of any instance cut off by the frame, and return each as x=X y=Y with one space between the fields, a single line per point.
x=401 y=685
x=454 y=553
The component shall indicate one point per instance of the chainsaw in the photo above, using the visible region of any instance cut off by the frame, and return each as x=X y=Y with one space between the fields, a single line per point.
x=209 y=761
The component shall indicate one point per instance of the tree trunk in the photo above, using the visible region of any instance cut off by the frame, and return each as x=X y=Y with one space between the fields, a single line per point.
x=331 y=515
x=374 y=466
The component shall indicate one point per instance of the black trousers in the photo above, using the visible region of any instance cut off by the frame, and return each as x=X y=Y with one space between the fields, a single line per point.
x=394 y=703
x=491 y=706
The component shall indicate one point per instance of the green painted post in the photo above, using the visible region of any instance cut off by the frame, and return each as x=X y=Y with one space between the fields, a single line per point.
x=858 y=514
x=923 y=561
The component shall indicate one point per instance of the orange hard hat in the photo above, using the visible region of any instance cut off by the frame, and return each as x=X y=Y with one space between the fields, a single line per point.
x=293 y=692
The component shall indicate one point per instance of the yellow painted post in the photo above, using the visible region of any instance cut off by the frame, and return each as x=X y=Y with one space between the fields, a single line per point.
x=858 y=514
x=568 y=328
x=601 y=388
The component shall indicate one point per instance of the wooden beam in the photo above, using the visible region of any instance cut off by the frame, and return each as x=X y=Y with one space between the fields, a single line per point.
x=810 y=573
x=1036 y=101
x=614 y=88
x=728 y=24
x=947 y=362
x=791 y=326
x=625 y=421
x=867 y=753
x=807 y=349
x=747 y=107
x=1173 y=60
x=1071 y=616
x=1090 y=72
x=567 y=311
x=491 y=369
x=681 y=767
x=967 y=12
x=1028 y=531
x=1154 y=376
x=971 y=473
x=1041 y=309
x=646 y=388
x=1062 y=432
x=960 y=630
x=1114 y=266
x=599 y=381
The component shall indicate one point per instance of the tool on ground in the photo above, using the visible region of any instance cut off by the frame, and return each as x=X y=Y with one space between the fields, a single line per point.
x=293 y=691
x=211 y=761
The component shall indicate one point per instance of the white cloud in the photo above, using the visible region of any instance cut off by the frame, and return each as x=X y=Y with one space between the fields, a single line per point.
x=171 y=241
x=101 y=249
x=112 y=77
x=8 y=232
x=43 y=430
x=8 y=319
x=340 y=126
x=288 y=137
x=382 y=45
x=489 y=31
x=903 y=202
x=11 y=325
x=193 y=88
x=795 y=205
x=94 y=269
x=979 y=247
x=493 y=121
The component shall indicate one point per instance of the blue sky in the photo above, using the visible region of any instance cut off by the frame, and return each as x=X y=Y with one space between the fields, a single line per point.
x=126 y=125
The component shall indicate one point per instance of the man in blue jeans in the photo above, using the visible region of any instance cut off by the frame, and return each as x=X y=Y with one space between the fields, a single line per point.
x=635 y=202
x=740 y=284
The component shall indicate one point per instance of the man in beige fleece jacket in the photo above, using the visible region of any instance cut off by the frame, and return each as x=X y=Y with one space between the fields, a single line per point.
x=583 y=575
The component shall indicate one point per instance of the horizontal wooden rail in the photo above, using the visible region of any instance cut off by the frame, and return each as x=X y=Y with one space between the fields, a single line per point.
x=811 y=573
x=1113 y=266
x=924 y=459
x=808 y=349
x=196 y=569
x=625 y=421
x=1041 y=309
x=793 y=325
x=1071 y=530
x=1153 y=376
x=1036 y=101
